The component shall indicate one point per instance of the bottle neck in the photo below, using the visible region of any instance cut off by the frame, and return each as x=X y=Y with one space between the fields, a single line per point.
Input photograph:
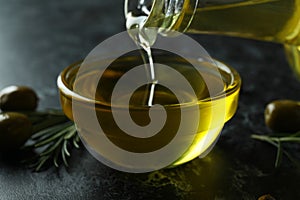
x=166 y=15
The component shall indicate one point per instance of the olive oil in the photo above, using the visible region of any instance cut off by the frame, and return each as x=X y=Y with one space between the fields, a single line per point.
x=273 y=20
x=144 y=39
x=204 y=103
x=267 y=20
x=192 y=119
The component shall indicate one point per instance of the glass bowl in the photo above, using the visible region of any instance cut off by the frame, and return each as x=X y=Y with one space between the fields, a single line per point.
x=192 y=123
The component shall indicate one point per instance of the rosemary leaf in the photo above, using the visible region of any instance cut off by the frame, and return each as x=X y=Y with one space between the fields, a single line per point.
x=48 y=123
x=42 y=161
x=297 y=134
x=277 y=142
x=292 y=159
x=75 y=143
x=53 y=136
x=63 y=154
x=289 y=139
x=278 y=155
x=50 y=139
x=55 y=158
x=71 y=133
x=66 y=148
x=47 y=131
x=64 y=128
x=51 y=148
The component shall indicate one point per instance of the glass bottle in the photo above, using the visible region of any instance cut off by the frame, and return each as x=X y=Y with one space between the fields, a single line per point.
x=268 y=20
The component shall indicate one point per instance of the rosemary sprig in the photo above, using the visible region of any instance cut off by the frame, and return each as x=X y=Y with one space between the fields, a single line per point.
x=53 y=135
x=278 y=141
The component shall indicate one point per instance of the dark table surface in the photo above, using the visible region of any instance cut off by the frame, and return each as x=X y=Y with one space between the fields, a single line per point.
x=40 y=38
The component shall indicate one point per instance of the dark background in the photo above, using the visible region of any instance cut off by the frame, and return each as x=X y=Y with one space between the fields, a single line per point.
x=38 y=39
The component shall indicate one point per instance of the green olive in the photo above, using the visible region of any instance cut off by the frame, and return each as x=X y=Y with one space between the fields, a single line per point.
x=266 y=197
x=283 y=116
x=15 y=130
x=14 y=98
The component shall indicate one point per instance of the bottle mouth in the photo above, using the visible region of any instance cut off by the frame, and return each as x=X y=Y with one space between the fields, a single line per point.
x=138 y=7
x=167 y=16
x=159 y=14
x=138 y=13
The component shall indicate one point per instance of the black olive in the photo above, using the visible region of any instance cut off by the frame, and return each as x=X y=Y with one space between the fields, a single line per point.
x=15 y=98
x=283 y=116
x=15 y=130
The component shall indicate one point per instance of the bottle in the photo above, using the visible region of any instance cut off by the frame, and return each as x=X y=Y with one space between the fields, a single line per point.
x=267 y=20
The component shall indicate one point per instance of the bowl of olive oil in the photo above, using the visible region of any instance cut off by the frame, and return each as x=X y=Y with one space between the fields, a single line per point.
x=200 y=115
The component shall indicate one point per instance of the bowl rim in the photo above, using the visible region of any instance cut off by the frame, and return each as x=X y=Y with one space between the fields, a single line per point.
x=234 y=86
